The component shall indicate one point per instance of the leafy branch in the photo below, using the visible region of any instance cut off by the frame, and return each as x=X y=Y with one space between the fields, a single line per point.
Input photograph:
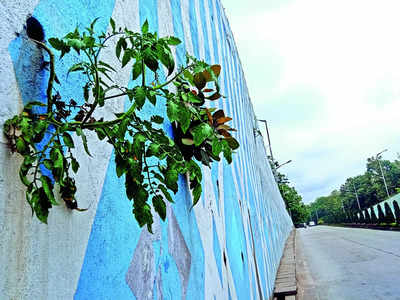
x=145 y=155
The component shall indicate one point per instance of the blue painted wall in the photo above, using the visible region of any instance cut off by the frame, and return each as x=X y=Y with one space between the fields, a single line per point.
x=213 y=251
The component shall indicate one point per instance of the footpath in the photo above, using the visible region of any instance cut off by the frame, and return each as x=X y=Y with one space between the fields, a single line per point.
x=286 y=282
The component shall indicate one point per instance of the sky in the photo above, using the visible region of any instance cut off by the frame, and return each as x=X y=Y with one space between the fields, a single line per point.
x=325 y=74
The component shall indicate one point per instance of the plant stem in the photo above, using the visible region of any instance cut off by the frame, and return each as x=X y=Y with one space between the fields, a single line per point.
x=51 y=77
x=97 y=84
x=157 y=87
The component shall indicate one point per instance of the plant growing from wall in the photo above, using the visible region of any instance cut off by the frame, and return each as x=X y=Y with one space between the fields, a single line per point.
x=148 y=158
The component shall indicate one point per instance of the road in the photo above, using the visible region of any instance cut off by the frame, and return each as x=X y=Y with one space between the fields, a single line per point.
x=335 y=263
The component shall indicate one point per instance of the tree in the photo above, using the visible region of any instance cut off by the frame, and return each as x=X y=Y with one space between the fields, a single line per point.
x=294 y=203
x=329 y=208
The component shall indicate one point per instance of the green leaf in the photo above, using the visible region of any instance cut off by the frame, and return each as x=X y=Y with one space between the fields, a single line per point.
x=199 y=81
x=173 y=41
x=140 y=96
x=178 y=112
x=216 y=147
x=118 y=47
x=166 y=193
x=22 y=176
x=138 y=142
x=40 y=126
x=57 y=158
x=145 y=27
x=112 y=23
x=31 y=104
x=187 y=142
x=89 y=42
x=151 y=95
x=104 y=64
x=136 y=69
x=171 y=178
x=93 y=23
x=74 y=165
x=157 y=119
x=233 y=143
x=57 y=43
x=48 y=189
x=201 y=133
x=86 y=92
x=42 y=205
x=21 y=145
x=196 y=194
x=123 y=127
x=193 y=99
x=153 y=149
x=194 y=170
x=101 y=134
x=150 y=59
x=160 y=206
x=227 y=151
x=80 y=133
x=126 y=58
x=68 y=140
x=165 y=56
x=48 y=164
x=77 y=44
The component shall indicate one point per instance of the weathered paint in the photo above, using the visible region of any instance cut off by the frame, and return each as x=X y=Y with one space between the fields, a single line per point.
x=227 y=247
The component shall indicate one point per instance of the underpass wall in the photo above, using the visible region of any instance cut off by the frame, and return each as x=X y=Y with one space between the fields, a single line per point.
x=227 y=247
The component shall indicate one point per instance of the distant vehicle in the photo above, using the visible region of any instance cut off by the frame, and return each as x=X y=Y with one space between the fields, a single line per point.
x=311 y=223
x=300 y=225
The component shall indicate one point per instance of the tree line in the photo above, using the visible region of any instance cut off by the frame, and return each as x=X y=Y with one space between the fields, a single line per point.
x=298 y=211
x=360 y=192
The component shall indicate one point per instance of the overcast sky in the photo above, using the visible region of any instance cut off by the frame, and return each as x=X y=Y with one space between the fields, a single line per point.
x=325 y=74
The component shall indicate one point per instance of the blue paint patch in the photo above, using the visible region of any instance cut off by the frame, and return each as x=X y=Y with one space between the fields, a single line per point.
x=217 y=252
x=235 y=237
x=193 y=28
x=205 y=32
x=190 y=231
x=108 y=254
x=171 y=282
x=216 y=183
x=213 y=32
x=178 y=30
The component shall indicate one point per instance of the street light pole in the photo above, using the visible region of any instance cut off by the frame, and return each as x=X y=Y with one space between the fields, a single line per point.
x=380 y=167
x=343 y=206
x=289 y=161
x=269 y=141
x=355 y=191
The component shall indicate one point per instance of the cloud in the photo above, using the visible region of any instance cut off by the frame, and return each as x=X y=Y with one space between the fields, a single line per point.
x=326 y=76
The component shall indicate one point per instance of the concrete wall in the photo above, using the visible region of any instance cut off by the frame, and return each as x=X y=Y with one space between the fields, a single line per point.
x=227 y=247
x=382 y=204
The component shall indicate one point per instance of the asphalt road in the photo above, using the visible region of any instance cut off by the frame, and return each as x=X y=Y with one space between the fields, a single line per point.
x=335 y=263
